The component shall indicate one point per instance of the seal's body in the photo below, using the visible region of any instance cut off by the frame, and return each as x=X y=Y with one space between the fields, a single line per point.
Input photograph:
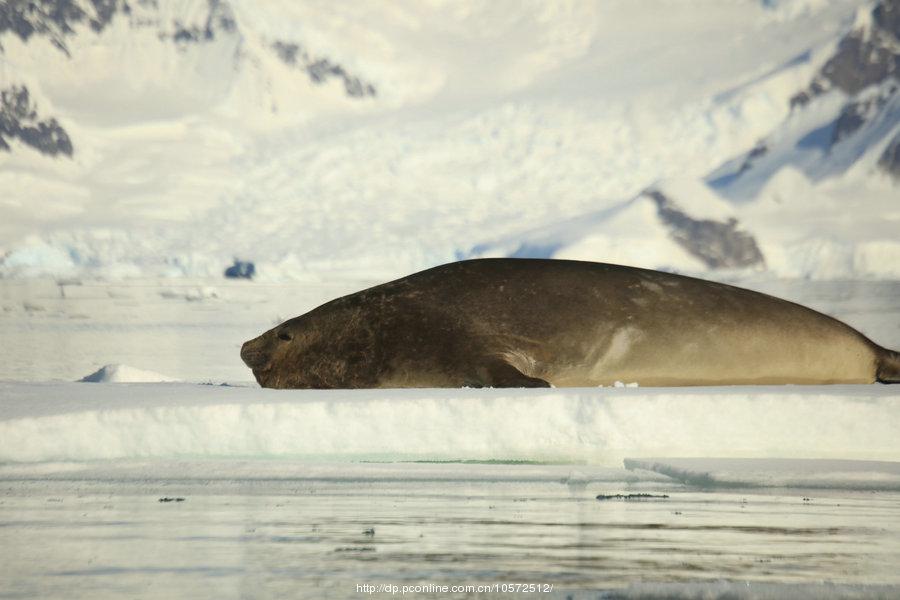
x=533 y=323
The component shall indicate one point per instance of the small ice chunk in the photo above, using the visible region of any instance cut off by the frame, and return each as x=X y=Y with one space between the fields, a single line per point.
x=620 y=384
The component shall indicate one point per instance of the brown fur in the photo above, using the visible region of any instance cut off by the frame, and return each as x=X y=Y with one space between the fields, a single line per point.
x=531 y=323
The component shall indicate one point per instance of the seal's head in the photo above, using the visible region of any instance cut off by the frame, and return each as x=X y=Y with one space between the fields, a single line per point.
x=330 y=347
x=267 y=354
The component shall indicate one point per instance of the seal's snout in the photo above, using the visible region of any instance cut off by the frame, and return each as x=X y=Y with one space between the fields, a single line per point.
x=252 y=355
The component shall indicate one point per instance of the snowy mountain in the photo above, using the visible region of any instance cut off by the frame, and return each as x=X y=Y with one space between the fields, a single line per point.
x=19 y=119
x=850 y=109
x=324 y=140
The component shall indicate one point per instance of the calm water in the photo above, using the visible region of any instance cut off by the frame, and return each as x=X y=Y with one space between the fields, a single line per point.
x=308 y=538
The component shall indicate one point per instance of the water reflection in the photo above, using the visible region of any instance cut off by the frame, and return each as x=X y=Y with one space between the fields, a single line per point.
x=304 y=539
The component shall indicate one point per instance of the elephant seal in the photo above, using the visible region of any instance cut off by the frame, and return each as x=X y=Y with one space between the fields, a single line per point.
x=536 y=323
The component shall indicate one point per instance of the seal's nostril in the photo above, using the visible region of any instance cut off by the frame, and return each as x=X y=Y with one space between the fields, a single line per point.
x=251 y=355
x=285 y=335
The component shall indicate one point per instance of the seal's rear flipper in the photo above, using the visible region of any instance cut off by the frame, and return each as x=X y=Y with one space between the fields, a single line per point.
x=501 y=374
x=888 y=370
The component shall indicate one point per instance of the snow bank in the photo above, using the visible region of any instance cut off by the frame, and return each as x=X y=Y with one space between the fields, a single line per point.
x=124 y=374
x=78 y=422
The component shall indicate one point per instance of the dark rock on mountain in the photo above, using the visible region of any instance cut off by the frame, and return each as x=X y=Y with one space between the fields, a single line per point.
x=861 y=62
x=718 y=244
x=865 y=67
x=852 y=117
x=760 y=149
x=816 y=88
x=320 y=70
x=887 y=16
x=219 y=19
x=749 y=160
x=19 y=119
x=323 y=69
x=857 y=113
x=56 y=19
x=288 y=53
x=890 y=159
x=864 y=57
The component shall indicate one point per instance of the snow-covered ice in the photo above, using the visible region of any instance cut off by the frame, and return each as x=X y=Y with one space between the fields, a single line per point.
x=81 y=422
x=193 y=331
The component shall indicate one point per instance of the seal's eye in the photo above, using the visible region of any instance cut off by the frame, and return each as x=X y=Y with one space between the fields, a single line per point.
x=285 y=335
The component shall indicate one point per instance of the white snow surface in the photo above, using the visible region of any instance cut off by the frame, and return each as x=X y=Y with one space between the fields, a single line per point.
x=124 y=374
x=496 y=126
x=79 y=422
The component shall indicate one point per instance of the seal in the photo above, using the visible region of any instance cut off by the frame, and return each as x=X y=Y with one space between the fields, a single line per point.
x=537 y=323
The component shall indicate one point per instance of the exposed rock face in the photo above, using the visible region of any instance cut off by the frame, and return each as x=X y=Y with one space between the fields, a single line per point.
x=857 y=113
x=219 y=19
x=890 y=159
x=886 y=15
x=720 y=245
x=55 y=19
x=321 y=70
x=866 y=68
x=865 y=56
x=759 y=150
x=19 y=119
